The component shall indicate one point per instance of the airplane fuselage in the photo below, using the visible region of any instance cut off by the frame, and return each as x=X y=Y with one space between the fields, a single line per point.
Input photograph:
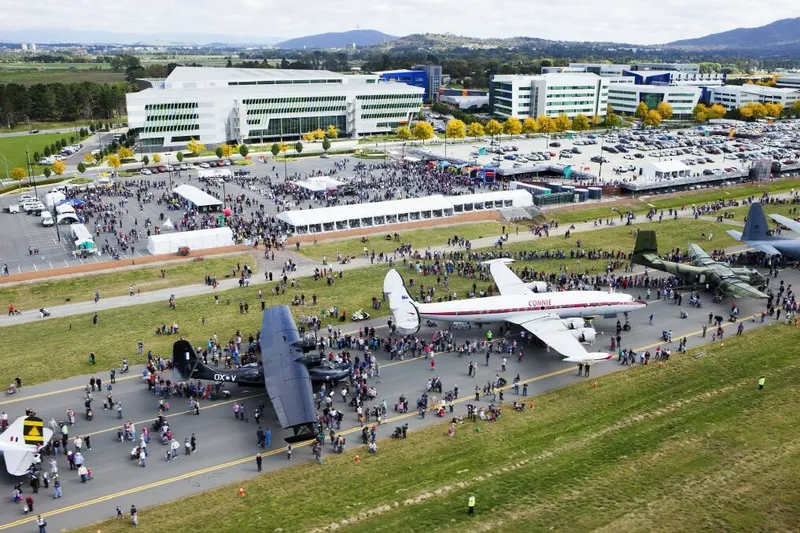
x=502 y=308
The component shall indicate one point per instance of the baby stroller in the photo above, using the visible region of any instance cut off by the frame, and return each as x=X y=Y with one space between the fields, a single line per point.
x=397 y=433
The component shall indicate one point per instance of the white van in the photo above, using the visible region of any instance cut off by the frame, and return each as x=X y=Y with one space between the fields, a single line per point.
x=47 y=218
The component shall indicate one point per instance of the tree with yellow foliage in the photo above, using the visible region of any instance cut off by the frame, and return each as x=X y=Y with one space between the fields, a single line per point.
x=773 y=110
x=228 y=150
x=157 y=158
x=59 y=167
x=562 y=122
x=493 y=128
x=89 y=159
x=475 y=130
x=422 y=130
x=310 y=136
x=113 y=161
x=194 y=148
x=665 y=110
x=596 y=120
x=332 y=132
x=716 y=112
x=529 y=126
x=700 y=113
x=546 y=124
x=641 y=110
x=18 y=173
x=580 y=122
x=653 y=118
x=512 y=126
x=404 y=132
x=753 y=111
x=456 y=129
x=319 y=134
x=794 y=109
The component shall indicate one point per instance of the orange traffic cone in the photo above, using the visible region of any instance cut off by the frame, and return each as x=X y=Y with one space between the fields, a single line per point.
x=241 y=492
x=357 y=459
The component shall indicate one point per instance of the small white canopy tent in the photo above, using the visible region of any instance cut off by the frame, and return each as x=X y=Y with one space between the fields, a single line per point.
x=195 y=240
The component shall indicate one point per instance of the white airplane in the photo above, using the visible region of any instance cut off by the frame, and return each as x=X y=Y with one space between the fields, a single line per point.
x=557 y=318
x=20 y=442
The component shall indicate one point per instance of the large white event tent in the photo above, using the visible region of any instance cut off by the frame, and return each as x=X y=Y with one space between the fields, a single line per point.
x=319 y=184
x=168 y=243
x=345 y=217
x=198 y=199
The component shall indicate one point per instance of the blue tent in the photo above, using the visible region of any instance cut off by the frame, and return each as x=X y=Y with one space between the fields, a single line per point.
x=74 y=202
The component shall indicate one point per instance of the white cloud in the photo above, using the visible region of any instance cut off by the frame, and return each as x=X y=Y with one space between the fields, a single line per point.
x=634 y=21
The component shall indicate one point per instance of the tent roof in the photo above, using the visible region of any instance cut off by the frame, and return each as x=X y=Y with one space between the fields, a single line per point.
x=328 y=215
x=512 y=194
x=196 y=196
x=318 y=183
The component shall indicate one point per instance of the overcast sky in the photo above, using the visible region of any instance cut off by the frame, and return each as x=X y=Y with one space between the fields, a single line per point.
x=634 y=21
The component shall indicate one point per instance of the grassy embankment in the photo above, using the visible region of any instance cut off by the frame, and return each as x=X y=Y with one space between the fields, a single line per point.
x=355 y=290
x=692 y=446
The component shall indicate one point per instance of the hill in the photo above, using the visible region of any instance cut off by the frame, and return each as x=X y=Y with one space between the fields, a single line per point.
x=343 y=39
x=691 y=446
x=776 y=34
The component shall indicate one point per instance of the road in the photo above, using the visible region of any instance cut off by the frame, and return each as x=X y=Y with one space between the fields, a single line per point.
x=226 y=446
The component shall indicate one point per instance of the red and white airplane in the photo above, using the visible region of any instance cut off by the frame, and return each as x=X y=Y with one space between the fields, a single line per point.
x=557 y=318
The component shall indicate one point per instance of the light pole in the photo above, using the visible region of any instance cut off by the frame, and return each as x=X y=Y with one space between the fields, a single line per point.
x=31 y=177
x=6 y=160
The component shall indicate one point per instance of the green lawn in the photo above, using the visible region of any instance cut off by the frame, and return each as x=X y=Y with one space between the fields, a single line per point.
x=692 y=446
x=418 y=238
x=14 y=147
x=64 y=75
x=54 y=125
x=739 y=213
x=48 y=293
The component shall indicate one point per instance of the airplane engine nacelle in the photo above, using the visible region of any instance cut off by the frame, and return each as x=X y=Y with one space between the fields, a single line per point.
x=574 y=323
x=537 y=286
x=586 y=335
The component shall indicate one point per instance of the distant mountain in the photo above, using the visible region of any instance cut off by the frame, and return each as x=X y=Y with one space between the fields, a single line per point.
x=342 y=39
x=49 y=35
x=776 y=34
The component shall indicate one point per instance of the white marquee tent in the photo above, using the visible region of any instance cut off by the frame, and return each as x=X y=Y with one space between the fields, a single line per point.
x=200 y=200
x=319 y=183
x=168 y=243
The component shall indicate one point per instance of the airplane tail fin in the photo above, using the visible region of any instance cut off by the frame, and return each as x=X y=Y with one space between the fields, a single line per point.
x=184 y=360
x=756 y=227
x=645 y=245
x=404 y=310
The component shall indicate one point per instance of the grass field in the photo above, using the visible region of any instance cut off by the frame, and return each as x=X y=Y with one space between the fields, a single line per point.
x=48 y=293
x=32 y=73
x=692 y=446
x=419 y=238
x=65 y=126
x=638 y=205
x=14 y=148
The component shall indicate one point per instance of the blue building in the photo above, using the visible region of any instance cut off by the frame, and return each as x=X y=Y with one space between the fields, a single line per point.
x=429 y=77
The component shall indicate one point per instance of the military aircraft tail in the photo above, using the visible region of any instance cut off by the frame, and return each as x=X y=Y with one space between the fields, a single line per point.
x=184 y=361
x=756 y=227
x=404 y=310
x=645 y=249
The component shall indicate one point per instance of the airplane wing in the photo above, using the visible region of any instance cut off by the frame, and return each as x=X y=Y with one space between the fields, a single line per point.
x=699 y=256
x=741 y=289
x=18 y=461
x=552 y=330
x=786 y=222
x=507 y=282
x=286 y=378
x=735 y=234
x=765 y=247
x=19 y=441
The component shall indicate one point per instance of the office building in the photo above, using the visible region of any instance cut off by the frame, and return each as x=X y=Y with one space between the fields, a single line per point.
x=792 y=82
x=222 y=105
x=734 y=96
x=690 y=68
x=548 y=94
x=429 y=77
x=601 y=69
x=675 y=77
x=625 y=97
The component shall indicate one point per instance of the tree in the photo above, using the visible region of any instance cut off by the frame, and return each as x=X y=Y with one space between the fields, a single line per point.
x=716 y=112
x=308 y=137
x=47 y=151
x=562 y=122
x=298 y=147
x=596 y=120
x=753 y=111
x=580 y=122
x=774 y=110
x=244 y=150
x=219 y=152
x=59 y=167
x=456 y=129
x=529 y=125
x=47 y=172
x=700 y=113
x=81 y=167
x=275 y=149
x=125 y=153
x=36 y=156
x=493 y=128
x=89 y=159
x=146 y=160
x=475 y=130
x=98 y=157
x=156 y=158
x=18 y=173
x=326 y=144
x=653 y=118
x=228 y=150
x=404 y=132
x=319 y=134
x=512 y=126
x=641 y=110
x=195 y=148
x=794 y=109
x=332 y=132
x=422 y=131
x=665 y=110
x=113 y=161
x=179 y=157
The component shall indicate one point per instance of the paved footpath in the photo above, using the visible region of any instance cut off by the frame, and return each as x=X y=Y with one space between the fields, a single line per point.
x=305 y=268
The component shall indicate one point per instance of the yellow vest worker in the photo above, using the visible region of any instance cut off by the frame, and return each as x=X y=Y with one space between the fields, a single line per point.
x=489 y=335
x=761 y=382
x=471 y=505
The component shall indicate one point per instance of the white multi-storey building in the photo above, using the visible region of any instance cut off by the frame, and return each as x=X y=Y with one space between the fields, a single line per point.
x=221 y=105
x=734 y=96
x=548 y=94
x=625 y=97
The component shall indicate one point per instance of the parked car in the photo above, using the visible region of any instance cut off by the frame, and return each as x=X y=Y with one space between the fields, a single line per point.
x=555 y=144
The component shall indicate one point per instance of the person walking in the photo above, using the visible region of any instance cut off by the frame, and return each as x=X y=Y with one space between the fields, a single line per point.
x=42 y=523
x=134 y=516
x=761 y=382
x=57 y=487
x=471 y=505
x=258 y=461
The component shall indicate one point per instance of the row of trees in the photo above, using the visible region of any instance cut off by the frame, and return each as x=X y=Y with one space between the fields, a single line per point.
x=61 y=102
x=331 y=132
